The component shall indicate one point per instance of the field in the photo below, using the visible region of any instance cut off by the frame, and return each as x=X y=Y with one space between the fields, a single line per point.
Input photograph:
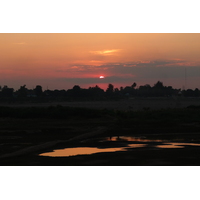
x=126 y=104
x=27 y=130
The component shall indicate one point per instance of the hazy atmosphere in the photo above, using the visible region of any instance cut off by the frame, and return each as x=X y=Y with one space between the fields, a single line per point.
x=62 y=60
x=145 y=57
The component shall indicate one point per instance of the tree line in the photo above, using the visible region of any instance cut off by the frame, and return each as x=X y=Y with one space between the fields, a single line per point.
x=93 y=93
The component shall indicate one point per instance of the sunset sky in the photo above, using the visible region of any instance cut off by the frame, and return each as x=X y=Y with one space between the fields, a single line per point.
x=62 y=60
x=123 y=56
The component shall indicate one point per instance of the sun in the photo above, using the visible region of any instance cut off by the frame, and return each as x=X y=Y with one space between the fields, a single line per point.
x=101 y=76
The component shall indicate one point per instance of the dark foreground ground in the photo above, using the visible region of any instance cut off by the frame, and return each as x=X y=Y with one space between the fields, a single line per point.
x=25 y=132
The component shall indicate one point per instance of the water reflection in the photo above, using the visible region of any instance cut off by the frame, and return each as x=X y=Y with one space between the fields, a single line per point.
x=79 y=151
x=91 y=150
x=136 y=145
x=176 y=145
x=86 y=150
x=169 y=145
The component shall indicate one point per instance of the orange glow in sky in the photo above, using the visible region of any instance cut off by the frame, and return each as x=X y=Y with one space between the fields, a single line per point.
x=61 y=60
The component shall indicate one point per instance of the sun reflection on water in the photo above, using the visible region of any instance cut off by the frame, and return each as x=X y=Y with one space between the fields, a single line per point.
x=79 y=151
x=91 y=150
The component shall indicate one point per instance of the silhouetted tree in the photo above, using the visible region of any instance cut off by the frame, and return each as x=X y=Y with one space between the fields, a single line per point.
x=110 y=89
x=145 y=90
x=158 y=85
x=158 y=89
x=134 y=85
x=116 y=90
x=189 y=93
x=196 y=92
x=75 y=92
x=94 y=93
x=22 y=92
x=38 y=90
x=127 y=90
x=76 y=88
x=7 y=92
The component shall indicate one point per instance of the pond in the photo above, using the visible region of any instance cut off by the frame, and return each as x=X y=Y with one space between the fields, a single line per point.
x=79 y=151
x=86 y=150
x=140 y=143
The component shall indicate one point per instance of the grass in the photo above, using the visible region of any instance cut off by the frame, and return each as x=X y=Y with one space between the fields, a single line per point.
x=37 y=117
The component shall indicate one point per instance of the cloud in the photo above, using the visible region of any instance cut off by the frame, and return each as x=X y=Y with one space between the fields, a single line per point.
x=97 y=80
x=105 y=52
x=157 y=69
x=141 y=72
x=143 y=69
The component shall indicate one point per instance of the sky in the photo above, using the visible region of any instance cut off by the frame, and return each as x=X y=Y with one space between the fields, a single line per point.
x=32 y=58
x=62 y=60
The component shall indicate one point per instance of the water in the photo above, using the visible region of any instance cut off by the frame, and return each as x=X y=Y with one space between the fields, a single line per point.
x=78 y=151
x=91 y=150
x=176 y=145
x=86 y=150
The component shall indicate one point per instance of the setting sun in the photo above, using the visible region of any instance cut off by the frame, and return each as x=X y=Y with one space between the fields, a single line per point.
x=62 y=60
